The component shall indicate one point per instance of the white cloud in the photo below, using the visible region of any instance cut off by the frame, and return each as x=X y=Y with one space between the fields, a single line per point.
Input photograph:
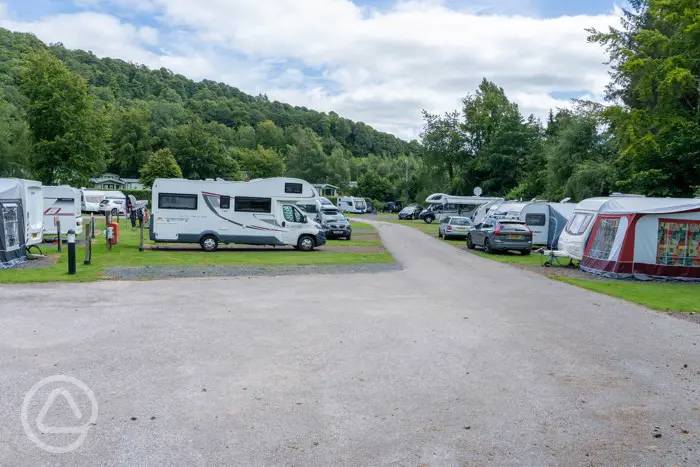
x=381 y=67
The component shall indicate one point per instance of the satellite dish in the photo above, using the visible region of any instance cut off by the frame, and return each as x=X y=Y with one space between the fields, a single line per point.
x=477 y=191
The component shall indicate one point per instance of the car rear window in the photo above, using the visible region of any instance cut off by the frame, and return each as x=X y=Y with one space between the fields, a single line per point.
x=514 y=227
x=460 y=221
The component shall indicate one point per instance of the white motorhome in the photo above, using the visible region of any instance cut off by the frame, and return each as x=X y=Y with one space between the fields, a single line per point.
x=62 y=203
x=258 y=212
x=441 y=205
x=572 y=240
x=352 y=204
x=546 y=220
x=33 y=204
x=91 y=199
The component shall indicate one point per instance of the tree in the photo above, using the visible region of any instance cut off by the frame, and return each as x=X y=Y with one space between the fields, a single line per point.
x=160 y=164
x=199 y=153
x=69 y=135
x=374 y=186
x=655 y=59
x=305 y=156
x=15 y=142
x=269 y=135
x=259 y=162
x=132 y=142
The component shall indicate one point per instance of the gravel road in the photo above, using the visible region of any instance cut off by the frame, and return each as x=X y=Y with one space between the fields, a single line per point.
x=452 y=360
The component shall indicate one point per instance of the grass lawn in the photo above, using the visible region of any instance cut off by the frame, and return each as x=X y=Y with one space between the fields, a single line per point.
x=127 y=254
x=662 y=296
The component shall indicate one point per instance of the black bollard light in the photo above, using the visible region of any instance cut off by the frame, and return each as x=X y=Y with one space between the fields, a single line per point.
x=71 y=251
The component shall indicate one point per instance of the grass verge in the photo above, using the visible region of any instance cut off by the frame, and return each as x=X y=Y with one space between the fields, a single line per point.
x=127 y=254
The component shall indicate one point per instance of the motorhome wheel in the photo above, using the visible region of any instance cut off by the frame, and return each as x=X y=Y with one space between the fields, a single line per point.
x=209 y=243
x=306 y=243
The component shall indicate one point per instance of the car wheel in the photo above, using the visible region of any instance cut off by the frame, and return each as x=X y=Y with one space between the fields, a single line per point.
x=349 y=237
x=470 y=244
x=209 y=243
x=526 y=252
x=306 y=243
x=114 y=211
x=487 y=246
x=429 y=219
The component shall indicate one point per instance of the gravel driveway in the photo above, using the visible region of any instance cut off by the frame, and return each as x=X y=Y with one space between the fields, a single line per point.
x=452 y=360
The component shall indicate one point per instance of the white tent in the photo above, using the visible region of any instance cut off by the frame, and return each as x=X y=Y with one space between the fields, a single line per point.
x=645 y=238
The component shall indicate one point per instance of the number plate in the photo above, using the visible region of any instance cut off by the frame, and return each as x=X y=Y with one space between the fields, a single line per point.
x=338 y=232
x=515 y=237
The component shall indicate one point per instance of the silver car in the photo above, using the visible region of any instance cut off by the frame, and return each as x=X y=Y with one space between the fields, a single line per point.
x=454 y=226
x=501 y=235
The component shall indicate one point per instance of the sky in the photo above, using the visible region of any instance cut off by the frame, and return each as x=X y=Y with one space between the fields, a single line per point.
x=377 y=61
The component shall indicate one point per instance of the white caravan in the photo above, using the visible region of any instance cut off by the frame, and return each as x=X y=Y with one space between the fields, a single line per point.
x=33 y=204
x=442 y=205
x=576 y=232
x=546 y=220
x=62 y=203
x=352 y=204
x=258 y=212
x=91 y=199
x=13 y=249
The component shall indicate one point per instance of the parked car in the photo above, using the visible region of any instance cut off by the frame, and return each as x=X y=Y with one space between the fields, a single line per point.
x=429 y=215
x=393 y=206
x=335 y=225
x=113 y=206
x=370 y=208
x=454 y=226
x=410 y=212
x=501 y=235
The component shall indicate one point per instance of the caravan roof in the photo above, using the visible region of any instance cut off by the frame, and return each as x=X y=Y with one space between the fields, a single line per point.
x=442 y=198
x=10 y=188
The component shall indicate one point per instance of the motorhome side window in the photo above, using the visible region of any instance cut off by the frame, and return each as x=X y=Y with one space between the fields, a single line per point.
x=535 y=219
x=177 y=201
x=293 y=187
x=225 y=202
x=250 y=204
x=291 y=214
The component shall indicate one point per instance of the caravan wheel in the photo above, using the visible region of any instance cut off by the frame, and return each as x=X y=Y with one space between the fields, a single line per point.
x=209 y=243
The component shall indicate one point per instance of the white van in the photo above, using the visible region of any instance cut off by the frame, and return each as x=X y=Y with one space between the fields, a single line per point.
x=91 y=200
x=114 y=202
x=62 y=203
x=352 y=204
x=258 y=212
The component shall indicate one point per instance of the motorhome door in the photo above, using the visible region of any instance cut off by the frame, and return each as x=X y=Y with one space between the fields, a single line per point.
x=293 y=222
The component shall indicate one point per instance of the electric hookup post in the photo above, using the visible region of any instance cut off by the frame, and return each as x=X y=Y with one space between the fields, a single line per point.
x=141 y=237
x=71 y=251
x=92 y=226
x=88 y=242
x=58 y=233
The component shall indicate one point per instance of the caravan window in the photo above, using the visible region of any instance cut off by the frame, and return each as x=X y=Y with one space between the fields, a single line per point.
x=293 y=187
x=177 y=201
x=225 y=202
x=250 y=204
x=536 y=220
x=579 y=223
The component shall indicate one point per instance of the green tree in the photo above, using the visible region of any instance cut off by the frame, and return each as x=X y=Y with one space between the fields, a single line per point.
x=259 y=162
x=655 y=59
x=69 y=136
x=374 y=186
x=160 y=164
x=245 y=137
x=15 y=142
x=269 y=135
x=305 y=156
x=199 y=153
x=132 y=142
